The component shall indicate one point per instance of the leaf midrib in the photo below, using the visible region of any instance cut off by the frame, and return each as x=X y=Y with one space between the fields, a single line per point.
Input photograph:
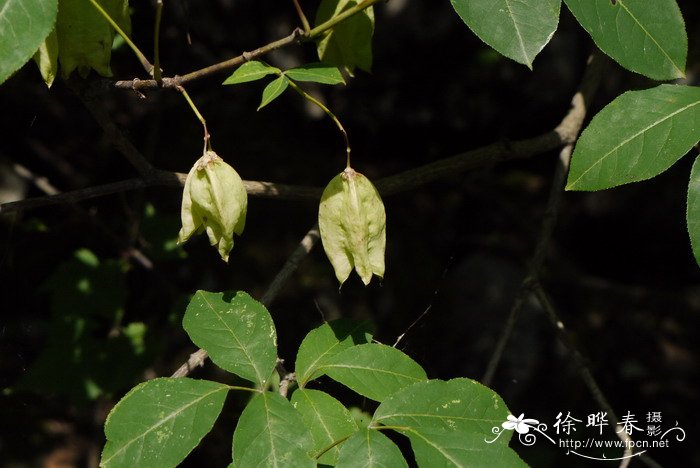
x=627 y=140
x=235 y=337
x=641 y=26
x=161 y=422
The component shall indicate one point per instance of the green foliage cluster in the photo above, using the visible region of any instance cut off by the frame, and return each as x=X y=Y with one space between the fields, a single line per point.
x=160 y=421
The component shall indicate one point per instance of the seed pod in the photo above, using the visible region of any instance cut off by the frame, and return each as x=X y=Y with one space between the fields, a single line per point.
x=214 y=200
x=352 y=222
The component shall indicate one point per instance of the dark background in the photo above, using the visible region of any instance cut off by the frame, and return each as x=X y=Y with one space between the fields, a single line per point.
x=75 y=335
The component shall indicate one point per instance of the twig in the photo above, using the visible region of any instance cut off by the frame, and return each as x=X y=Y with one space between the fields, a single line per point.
x=156 y=44
x=586 y=374
x=302 y=18
x=295 y=36
x=290 y=266
x=535 y=263
x=254 y=188
x=286 y=378
x=197 y=358
x=567 y=132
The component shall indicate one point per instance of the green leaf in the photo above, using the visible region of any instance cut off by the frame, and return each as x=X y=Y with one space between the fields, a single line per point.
x=273 y=90
x=352 y=222
x=370 y=449
x=373 y=370
x=85 y=37
x=450 y=423
x=46 y=58
x=316 y=72
x=349 y=43
x=160 y=421
x=646 y=37
x=24 y=24
x=270 y=432
x=251 y=71
x=693 y=213
x=236 y=331
x=518 y=29
x=322 y=344
x=636 y=137
x=327 y=419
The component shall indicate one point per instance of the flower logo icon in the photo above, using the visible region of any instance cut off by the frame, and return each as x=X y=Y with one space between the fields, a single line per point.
x=519 y=424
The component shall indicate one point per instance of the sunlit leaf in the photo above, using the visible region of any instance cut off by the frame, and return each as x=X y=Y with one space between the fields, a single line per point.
x=693 y=213
x=518 y=29
x=373 y=370
x=160 y=421
x=647 y=37
x=327 y=419
x=251 y=71
x=236 y=331
x=637 y=136
x=273 y=90
x=270 y=432
x=450 y=423
x=316 y=72
x=24 y=25
x=322 y=344
x=370 y=449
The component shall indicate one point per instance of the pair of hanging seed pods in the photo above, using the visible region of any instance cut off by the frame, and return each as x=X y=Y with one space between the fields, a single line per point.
x=351 y=216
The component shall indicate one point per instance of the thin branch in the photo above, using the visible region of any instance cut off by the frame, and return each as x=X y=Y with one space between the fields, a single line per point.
x=585 y=372
x=156 y=43
x=302 y=18
x=567 y=132
x=197 y=358
x=564 y=133
x=290 y=266
x=535 y=263
x=295 y=36
x=43 y=184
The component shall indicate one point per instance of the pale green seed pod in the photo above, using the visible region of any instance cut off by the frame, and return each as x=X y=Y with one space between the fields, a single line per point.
x=214 y=200
x=352 y=222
